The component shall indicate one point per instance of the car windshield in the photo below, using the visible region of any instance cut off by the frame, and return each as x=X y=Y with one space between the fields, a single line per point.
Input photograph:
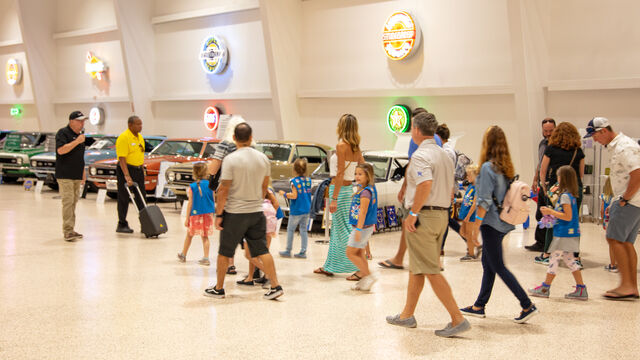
x=103 y=144
x=380 y=166
x=151 y=144
x=274 y=151
x=181 y=148
x=21 y=141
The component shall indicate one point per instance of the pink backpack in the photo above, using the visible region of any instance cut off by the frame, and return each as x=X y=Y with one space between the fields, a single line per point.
x=515 y=206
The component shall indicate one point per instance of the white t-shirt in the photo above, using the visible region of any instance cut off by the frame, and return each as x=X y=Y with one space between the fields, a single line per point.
x=625 y=158
x=430 y=162
x=246 y=168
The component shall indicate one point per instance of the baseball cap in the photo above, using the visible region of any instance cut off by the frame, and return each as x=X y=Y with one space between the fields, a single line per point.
x=77 y=115
x=597 y=123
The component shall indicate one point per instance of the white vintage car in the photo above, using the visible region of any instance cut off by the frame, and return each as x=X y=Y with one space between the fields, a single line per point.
x=388 y=166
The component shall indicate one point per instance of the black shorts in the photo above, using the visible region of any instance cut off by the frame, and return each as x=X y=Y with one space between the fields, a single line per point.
x=251 y=227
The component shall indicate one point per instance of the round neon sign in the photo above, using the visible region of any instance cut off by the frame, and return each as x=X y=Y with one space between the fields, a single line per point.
x=14 y=72
x=96 y=116
x=401 y=34
x=398 y=119
x=211 y=118
x=214 y=55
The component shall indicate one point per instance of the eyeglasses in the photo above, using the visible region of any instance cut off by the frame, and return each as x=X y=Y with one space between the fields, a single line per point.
x=546 y=121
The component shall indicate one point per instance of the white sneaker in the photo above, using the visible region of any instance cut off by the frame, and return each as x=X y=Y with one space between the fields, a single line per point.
x=368 y=281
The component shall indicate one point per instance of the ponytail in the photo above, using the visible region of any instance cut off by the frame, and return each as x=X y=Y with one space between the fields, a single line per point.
x=199 y=188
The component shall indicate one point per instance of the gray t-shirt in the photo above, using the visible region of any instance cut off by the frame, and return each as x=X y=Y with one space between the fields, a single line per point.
x=246 y=168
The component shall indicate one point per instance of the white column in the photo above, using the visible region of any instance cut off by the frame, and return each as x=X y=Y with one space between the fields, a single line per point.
x=134 y=21
x=281 y=22
x=37 y=21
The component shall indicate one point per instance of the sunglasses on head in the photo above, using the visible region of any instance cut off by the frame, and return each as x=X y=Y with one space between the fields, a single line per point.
x=546 y=121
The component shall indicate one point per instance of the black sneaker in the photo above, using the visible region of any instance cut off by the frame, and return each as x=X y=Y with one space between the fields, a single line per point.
x=274 y=293
x=260 y=280
x=214 y=293
x=124 y=229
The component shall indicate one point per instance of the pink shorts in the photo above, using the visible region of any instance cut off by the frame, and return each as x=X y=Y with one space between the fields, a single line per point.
x=201 y=225
x=270 y=214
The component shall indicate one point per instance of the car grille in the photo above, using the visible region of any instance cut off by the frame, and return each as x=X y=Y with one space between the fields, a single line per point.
x=106 y=172
x=46 y=164
x=184 y=177
x=8 y=160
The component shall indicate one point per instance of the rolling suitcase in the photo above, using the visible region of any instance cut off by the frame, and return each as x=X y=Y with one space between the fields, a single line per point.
x=152 y=221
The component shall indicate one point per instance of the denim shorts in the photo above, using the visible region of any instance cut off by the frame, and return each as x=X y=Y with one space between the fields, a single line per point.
x=365 y=235
x=624 y=222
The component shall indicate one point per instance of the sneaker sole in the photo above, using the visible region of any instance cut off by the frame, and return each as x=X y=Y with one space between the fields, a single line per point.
x=539 y=296
x=529 y=316
x=410 y=326
x=577 y=298
x=275 y=295
x=481 y=316
x=214 y=296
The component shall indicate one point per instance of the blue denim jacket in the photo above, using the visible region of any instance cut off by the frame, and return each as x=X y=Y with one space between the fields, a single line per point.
x=487 y=184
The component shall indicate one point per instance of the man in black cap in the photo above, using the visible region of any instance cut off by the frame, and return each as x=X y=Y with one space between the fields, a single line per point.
x=70 y=170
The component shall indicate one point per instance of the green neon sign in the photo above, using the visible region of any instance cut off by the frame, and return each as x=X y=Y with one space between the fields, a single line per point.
x=16 y=111
x=398 y=119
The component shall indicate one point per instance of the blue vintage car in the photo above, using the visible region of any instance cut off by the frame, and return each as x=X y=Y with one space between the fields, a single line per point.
x=99 y=147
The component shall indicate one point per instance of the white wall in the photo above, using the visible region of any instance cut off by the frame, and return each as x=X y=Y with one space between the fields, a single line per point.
x=83 y=14
x=9 y=26
x=464 y=43
x=28 y=121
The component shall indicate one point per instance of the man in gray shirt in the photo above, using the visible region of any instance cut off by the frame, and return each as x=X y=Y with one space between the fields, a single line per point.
x=548 y=125
x=243 y=186
x=429 y=183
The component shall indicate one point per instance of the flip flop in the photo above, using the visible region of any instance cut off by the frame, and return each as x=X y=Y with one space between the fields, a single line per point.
x=354 y=277
x=387 y=264
x=322 y=271
x=613 y=295
x=231 y=270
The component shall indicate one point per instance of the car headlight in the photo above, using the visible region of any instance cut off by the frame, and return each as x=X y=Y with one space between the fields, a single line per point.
x=93 y=171
x=34 y=163
x=178 y=177
x=20 y=161
x=171 y=176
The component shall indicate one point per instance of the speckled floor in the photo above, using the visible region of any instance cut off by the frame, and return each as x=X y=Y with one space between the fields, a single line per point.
x=114 y=296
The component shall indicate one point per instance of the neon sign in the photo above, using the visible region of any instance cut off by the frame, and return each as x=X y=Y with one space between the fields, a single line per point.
x=401 y=34
x=213 y=55
x=96 y=116
x=14 y=72
x=211 y=118
x=95 y=67
x=16 y=111
x=398 y=119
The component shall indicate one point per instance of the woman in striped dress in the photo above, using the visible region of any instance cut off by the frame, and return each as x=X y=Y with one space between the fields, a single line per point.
x=342 y=167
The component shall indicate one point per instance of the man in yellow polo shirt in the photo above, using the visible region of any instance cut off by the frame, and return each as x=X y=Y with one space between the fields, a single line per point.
x=130 y=152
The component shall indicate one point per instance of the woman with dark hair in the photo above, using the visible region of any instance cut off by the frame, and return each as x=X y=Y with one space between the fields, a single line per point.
x=564 y=149
x=342 y=168
x=495 y=174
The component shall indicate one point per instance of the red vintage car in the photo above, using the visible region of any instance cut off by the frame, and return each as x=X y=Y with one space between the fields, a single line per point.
x=103 y=173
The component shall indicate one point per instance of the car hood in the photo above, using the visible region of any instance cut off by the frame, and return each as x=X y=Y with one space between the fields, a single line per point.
x=153 y=160
x=48 y=156
x=91 y=156
x=28 y=152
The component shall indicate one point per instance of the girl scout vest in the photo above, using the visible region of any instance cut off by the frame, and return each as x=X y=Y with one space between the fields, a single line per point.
x=371 y=218
x=569 y=228
x=301 y=205
x=202 y=204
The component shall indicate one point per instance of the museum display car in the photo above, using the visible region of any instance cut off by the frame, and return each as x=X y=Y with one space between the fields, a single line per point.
x=17 y=150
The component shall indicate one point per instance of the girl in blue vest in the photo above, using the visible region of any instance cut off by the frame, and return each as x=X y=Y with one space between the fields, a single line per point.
x=363 y=218
x=200 y=212
x=468 y=214
x=299 y=207
x=566 y=236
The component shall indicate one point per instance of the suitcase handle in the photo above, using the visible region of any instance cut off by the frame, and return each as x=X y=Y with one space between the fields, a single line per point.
x=137 y=187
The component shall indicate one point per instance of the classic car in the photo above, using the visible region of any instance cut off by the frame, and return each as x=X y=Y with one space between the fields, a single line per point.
x=18 y=148
x=103 y=173
x=99 y=147
x=388 y=167
x=3 y=135
x=282 y=154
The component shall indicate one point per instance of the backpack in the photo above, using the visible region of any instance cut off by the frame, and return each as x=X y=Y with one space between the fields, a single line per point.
x=462 y=161
x=514 y=209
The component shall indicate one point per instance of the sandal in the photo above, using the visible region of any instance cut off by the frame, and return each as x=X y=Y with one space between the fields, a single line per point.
x=389 y=265
x=354 y=277
x=322 y=271
x=231 y=270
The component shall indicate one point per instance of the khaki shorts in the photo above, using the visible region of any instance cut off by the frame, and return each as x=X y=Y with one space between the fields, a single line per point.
x=425 y=243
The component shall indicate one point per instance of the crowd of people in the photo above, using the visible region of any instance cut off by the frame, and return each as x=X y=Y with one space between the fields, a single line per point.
x=232 y=194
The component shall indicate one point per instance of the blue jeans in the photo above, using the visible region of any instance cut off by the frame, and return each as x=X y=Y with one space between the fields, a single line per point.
x=492 y=264
x=294 y=221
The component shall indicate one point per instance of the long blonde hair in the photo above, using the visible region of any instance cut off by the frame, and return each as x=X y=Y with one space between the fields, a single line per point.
x=496 y=150
x=200 y=172
x=607 y=189
x=348 y=131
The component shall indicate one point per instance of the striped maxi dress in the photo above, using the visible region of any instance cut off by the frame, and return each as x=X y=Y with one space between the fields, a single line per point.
x=337 y=261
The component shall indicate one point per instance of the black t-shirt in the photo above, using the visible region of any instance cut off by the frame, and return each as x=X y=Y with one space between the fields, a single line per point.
x=71 y=164
x=559 y=157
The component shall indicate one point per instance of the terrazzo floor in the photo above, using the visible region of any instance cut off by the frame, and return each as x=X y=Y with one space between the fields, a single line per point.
x=113 y=296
